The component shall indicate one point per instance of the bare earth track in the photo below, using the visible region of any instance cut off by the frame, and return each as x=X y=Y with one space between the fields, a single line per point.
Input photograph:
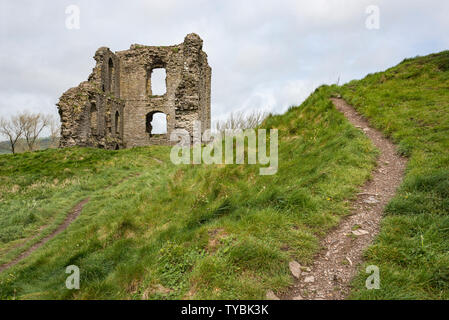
x=330 y=275
x=74 y=213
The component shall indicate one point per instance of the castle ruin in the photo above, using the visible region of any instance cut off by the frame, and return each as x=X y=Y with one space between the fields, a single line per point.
x=114 y=109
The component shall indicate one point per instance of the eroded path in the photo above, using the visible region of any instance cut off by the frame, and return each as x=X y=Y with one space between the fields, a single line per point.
x=334 y=267
x=74 y=213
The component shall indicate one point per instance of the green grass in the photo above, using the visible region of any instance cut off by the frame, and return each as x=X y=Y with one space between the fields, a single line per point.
x=410 y=104
x=154 y=230
x=181 y=232
x=39 y=188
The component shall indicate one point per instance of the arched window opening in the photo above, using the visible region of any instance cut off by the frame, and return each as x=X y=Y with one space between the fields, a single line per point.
x=117 y=123
x=156 y=123
x=93 y=118
x=110 y=75
x=157 y=82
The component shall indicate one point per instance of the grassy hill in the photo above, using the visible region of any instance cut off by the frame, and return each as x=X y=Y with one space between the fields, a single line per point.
x=154 y=230
x=410 y=103
x=179 y=231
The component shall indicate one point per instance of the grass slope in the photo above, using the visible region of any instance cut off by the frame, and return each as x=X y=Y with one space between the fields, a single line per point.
x=410 y=103
x=180 y=232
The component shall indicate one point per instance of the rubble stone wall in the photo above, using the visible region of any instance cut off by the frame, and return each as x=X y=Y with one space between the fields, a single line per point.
x=114 y=108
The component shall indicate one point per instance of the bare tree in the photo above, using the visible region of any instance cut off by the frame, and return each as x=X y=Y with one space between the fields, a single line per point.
x=241 y=120
x=33 y=124
x=13 y=129
x=55 y=129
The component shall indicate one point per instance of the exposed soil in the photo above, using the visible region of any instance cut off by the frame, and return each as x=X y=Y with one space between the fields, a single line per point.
x=330 y=275
x=74 y=213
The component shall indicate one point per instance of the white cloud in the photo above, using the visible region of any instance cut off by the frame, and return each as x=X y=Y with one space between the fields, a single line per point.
x=264 y=54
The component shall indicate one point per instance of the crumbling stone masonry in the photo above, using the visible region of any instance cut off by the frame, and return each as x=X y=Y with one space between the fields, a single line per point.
x=115 y=107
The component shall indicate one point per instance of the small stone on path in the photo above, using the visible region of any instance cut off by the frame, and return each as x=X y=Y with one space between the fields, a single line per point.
x=359 y=232
x=371 y=200
x=271 y=296
x=295 y=268
x=309 y=279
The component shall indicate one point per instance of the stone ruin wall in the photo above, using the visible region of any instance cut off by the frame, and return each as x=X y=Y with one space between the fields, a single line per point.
x=114 y=108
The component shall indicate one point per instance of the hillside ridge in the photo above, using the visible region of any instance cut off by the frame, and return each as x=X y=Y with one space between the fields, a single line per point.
x=224 y=232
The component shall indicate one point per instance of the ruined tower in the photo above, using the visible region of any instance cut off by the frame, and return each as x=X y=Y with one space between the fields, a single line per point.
x=114 y=109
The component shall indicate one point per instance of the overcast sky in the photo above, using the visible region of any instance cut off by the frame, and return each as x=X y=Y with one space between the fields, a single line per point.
x=264 y=54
